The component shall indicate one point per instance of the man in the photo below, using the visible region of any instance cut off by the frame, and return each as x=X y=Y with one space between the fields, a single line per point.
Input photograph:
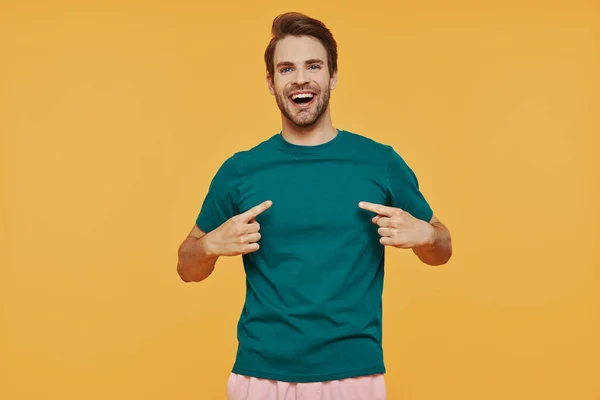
x=310 y=210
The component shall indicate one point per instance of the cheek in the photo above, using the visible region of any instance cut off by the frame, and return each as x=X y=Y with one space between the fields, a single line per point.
x=324 y=83
x=280 y=88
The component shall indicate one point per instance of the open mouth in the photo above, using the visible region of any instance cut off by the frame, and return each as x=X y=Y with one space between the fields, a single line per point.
x=302 y=99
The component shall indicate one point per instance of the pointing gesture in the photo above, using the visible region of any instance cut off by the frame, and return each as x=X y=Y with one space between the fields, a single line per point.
x=398 y=228
x=239 y=234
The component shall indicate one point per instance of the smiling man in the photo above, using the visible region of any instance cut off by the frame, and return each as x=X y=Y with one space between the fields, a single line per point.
x=310 y=210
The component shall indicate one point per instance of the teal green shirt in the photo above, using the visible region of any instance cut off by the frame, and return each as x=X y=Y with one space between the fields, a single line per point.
x=313 y=306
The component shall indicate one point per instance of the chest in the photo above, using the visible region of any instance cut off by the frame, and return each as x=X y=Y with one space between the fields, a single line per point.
x=314 y=199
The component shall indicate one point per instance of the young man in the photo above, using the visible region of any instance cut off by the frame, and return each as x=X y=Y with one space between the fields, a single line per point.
x=310 y=210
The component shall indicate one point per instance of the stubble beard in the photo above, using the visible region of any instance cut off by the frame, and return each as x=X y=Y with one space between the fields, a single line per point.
x=304 y=118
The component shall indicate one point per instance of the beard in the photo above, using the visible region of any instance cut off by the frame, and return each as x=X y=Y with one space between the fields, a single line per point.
x=304 y=118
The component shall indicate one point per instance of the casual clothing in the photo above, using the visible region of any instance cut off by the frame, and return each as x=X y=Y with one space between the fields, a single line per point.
x=370 y=387
x=313 y=307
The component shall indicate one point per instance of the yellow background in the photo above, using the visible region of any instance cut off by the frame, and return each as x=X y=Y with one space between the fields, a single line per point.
x=115 y=116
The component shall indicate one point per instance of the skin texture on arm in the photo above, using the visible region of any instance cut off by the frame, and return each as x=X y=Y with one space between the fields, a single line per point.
x=199 y=252
x=195 y=261
x=430 y=241
x=438 y=250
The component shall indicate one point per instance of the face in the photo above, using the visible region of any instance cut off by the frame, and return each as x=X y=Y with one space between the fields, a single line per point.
x=301 y=81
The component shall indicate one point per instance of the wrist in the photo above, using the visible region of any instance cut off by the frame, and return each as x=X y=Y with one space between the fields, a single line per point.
x=207 y=245
x=431 y=236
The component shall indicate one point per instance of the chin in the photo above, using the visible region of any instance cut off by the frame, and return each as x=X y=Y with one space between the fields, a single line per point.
x=305 y=123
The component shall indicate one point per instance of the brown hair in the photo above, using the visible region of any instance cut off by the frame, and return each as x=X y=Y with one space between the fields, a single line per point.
x=297 y=24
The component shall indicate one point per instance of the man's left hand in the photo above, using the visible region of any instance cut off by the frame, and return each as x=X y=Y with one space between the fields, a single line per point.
x=398 y=228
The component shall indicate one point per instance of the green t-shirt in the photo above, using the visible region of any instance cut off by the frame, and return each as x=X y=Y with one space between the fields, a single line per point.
x=313 y=306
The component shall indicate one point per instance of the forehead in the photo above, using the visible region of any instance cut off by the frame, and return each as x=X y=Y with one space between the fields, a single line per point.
x=297 y=49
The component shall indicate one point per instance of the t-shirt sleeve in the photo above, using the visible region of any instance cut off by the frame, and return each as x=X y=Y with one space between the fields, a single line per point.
x=403 y=188
x=221 y=201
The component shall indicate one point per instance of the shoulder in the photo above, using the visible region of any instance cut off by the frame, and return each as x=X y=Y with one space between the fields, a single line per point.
x=363 y=140
x=233 y=167
x=384 y=151
x=389 y=157
x=244 y=156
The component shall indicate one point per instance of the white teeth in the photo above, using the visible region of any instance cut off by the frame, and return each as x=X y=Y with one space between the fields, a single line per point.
x=302 y=96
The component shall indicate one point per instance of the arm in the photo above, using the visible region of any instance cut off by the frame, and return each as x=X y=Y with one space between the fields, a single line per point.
x=238 y=235
x=408 y=226
x=430 y=241
x=195 y=261
x=438 y=249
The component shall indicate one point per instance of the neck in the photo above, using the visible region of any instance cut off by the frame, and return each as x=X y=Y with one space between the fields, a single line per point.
x=320 y=132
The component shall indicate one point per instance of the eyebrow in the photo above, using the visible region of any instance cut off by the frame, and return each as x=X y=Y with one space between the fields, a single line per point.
x=311 y=61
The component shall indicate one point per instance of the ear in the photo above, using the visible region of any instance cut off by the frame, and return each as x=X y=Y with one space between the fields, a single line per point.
x=270 y=84
x=333 y=80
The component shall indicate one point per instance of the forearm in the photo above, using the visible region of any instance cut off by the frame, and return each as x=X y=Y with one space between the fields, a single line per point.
x=439 y=250
x=195 y=262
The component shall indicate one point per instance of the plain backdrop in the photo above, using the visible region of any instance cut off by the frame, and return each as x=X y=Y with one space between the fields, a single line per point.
x=114 y=117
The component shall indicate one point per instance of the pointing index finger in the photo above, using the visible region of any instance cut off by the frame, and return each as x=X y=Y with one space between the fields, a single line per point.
x=256 y=210
x=377 y=208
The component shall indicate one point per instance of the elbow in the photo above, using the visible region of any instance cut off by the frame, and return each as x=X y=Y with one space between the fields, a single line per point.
x=443 y=254
x=184 y=271
x=185 y=279
x=435 y=259
x=182 y=274
x=190 y=273
x=186 y=275
x=440 y=260
x=193 y=267
x=437 y=263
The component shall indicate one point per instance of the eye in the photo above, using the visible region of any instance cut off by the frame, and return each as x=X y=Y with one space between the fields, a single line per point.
x=285 y=69
x=315 y=66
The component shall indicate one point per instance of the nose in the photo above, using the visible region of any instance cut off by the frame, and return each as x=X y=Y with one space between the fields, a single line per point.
x=300 y=77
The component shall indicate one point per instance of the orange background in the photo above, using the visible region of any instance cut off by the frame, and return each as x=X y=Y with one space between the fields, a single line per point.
x=115 y=117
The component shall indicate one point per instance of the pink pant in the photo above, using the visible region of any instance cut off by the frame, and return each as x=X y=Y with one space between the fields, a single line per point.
x=370 y=387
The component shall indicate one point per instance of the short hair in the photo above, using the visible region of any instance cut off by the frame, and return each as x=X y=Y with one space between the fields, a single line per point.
x=298 y=24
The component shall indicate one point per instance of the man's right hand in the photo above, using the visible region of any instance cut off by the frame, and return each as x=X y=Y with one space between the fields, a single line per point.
x=238 y=235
